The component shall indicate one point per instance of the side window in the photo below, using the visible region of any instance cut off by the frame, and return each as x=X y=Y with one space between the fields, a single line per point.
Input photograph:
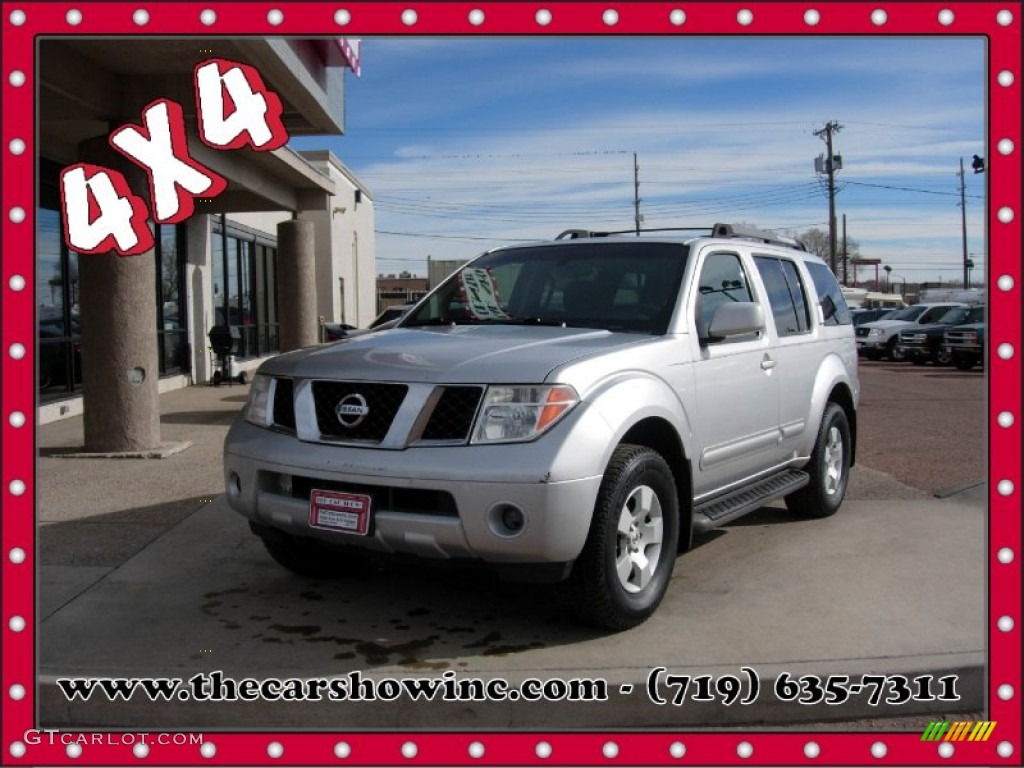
x=785 y=293
x=933 y=315
x=722 y=280
x=829 y=294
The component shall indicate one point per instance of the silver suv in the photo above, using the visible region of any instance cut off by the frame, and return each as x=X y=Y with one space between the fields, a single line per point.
x=571 y=411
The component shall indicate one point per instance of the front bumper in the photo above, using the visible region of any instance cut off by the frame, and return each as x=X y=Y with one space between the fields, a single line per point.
x=439 y=502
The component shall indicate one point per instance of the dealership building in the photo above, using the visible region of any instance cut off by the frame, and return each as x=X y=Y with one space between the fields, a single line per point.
x=288 y=245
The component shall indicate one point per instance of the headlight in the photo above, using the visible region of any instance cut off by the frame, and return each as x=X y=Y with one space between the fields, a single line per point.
x=876 y=332
x=516 y=414
x=257 y=407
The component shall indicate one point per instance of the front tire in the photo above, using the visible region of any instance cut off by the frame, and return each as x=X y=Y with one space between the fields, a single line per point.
x=623 y=572
x=894 y=351
x=829 y=467
x=963 y=362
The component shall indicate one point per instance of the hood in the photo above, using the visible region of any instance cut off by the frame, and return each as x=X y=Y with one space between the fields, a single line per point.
x=889 y=325
x=471 y=354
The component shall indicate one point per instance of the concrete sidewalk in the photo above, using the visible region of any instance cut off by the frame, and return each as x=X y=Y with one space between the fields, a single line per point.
x=145 y=572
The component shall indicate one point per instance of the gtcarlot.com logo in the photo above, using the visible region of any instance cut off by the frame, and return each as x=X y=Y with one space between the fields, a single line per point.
x=51 y=737
x=959 y=731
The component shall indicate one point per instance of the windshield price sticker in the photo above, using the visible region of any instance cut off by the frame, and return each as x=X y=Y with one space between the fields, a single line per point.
x=481 y=294
x=664 y=687
x=342 y=512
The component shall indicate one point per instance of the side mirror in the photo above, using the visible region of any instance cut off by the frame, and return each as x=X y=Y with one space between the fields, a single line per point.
x=735 y=319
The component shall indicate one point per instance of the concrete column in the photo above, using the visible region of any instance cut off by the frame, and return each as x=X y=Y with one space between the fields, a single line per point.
x=296 y=284
x=119 y=345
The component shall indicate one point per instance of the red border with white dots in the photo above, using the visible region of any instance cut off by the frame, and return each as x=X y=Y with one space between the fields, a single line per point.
x=999 y=22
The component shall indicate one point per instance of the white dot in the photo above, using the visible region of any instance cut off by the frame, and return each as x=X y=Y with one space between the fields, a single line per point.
x=73 y=17
x=17 y=17
x=1005 y=78
x=1005 y=214
x=946 y=17
x=74 y=751
x=1005 y=419
x=17 y=78
x=208 y=17
x=811 y=17
x=946 y=749
x=543 y=17
x=677 y=750
x=1004 y=18
x=543 y=750
x=745 y=17
x=745 y=749
x=476 y=750
x=141 y=750
x=678 y=18
x=1005 y=283
x=16 y=419
x=275 y=16
x=610 y=750
x=1005 y=692
x=1005 y=624
x=17 y=351
x=16 y=556
x=1005 y=146
x=208 y=750
x=17 y=283
x=1005 y=749
x=811 y=749
x=17 y=624
x=17 y=749
x=342 y=750
x=1005 y=555
x=1005 y=488
x=1005 y=351
x=409 y=17
x=17 y=487
x=342 y=17
x=275 y=749
x=16 y=692
x=610 y=17
x=879 y=750
x=17 y=147
x=878 y=18
x=476 y=17
x=17 y=214
x=141 y=18
x=409 y=750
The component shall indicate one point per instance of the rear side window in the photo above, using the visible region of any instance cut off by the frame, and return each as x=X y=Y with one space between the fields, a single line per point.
x=827 y=287
x=785 y=293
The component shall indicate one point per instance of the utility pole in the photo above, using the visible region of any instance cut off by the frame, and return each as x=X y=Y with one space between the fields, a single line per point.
x=963 y=219
x=844 y=251
x=636 y=195
x=830 y=127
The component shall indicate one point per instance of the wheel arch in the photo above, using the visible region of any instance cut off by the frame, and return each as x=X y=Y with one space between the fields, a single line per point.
x=843 y=397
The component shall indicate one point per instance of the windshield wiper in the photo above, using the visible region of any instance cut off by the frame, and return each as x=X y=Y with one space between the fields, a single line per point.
x=428 y=321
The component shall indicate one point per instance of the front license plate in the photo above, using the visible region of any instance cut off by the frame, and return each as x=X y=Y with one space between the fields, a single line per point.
x=338 y=511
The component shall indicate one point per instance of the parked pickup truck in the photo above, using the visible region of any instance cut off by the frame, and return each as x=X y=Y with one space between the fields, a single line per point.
x=965 y=344
x=878 y=339
x=927 y=342
x=574 y=411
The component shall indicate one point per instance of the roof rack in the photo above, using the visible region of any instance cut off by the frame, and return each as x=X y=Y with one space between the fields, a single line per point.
x=717 y=230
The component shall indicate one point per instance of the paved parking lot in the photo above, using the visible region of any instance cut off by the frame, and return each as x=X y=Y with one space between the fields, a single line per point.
x=144 y=571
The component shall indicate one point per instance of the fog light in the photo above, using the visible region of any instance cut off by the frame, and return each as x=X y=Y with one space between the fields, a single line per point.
x=284 y=485
x=507 y=520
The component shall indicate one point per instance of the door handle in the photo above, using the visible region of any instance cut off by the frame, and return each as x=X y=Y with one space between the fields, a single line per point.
x=767 y=364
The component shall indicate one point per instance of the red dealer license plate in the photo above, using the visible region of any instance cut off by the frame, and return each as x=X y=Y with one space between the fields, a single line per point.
x=338 y=511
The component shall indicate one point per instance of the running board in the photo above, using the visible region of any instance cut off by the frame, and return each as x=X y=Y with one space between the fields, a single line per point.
x=725 y=509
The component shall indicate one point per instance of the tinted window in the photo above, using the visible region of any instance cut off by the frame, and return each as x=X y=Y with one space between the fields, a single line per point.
x=722 y=280
x=826 y=285
x=785 y=293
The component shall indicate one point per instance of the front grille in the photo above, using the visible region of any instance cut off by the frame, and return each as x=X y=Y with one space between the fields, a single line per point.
x=284 y=405
x=414 y=501
x=863 y=331
x=452 y=417
x=961 y=338
x=382 y=404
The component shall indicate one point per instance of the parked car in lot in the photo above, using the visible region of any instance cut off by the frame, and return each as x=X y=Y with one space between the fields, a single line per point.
x=877 y=339
x=965 y=343
x=391 y=315
x=336 y=331
x=924 y=343
x=573 y=411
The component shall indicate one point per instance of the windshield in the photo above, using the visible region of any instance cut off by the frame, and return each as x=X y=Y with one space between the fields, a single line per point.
x=910 y=313
x=955 y=315
x=617 y=286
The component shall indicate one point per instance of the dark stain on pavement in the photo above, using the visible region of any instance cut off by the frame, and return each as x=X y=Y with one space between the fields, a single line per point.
x=484 y=641
x=300 y=629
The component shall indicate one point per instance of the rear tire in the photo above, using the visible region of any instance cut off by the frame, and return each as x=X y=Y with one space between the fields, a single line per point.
x=626 y=563
x=829 y=467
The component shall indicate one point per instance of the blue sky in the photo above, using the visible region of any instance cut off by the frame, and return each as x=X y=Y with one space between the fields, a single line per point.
x=471 y=143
